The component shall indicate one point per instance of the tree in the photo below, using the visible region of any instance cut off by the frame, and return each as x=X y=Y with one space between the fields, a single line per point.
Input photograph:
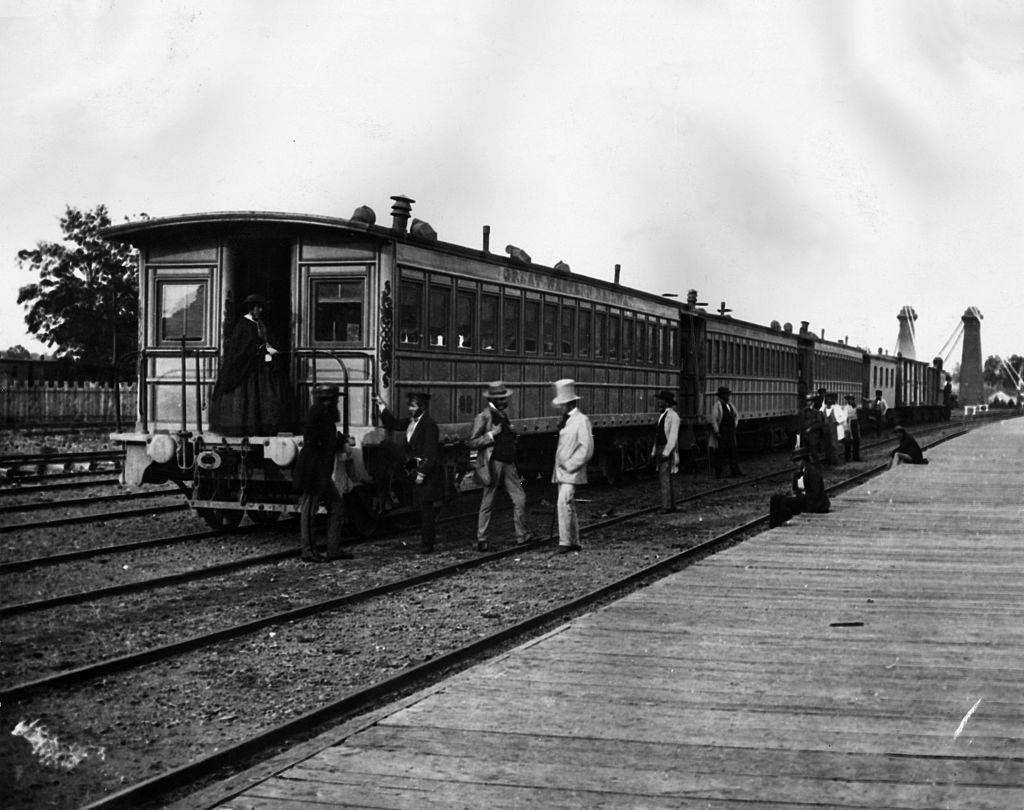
x=996 y=375
x=86 y=299
x=18 y=352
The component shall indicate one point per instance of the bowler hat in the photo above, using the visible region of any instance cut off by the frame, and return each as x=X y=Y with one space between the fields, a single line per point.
x=497 y=390
x=422 y=396
x=666 y=396
x=255 y=299
x=565 y=392
x=723 y=391
x=799 y=453
x=899 y=429
x=326 y=392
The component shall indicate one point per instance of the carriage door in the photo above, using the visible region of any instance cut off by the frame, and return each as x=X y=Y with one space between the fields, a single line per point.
x=335 y=336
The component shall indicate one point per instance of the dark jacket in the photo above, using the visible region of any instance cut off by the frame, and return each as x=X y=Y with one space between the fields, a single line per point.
x=422 y=451
x=908 y=444
x=320 y=443
x=816 y=499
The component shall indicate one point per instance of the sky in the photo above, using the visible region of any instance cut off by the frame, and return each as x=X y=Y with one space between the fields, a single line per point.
x=821 y=161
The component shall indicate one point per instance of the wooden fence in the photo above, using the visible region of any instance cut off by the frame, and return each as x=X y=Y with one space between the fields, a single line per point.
x=25 y=404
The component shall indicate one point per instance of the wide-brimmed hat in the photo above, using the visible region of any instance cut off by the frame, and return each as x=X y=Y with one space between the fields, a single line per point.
x=723 y=391
x=497 y=390
x=565 y=392
x=899 y=429
x=666 y=396
x=256 y=299
x=799 y=453
x=422 y=396
x=326 y=392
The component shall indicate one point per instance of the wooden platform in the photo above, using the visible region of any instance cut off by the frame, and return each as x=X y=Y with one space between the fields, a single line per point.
x=872 y=657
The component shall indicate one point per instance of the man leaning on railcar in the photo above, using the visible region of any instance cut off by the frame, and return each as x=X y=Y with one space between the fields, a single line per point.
x=494 y=440
x=314 y=474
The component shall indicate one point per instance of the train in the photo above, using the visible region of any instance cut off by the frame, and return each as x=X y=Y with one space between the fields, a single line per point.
x=389 y=309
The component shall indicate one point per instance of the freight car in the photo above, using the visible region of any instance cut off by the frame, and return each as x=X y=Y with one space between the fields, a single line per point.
x=387 y=310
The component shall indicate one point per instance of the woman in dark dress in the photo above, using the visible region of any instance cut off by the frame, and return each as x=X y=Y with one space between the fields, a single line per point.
x=249 y=397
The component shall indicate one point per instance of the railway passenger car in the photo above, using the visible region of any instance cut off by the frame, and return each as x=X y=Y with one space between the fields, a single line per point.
x=376 y=310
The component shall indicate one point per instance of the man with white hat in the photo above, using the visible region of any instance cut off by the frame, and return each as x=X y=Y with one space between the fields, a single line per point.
x=494 y=440
x=575 y=447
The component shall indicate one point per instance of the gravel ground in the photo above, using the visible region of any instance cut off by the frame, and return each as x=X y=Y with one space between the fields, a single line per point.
x=130 y=726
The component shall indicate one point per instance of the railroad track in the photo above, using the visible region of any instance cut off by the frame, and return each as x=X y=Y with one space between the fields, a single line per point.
x=363 y=699
x=76 y=503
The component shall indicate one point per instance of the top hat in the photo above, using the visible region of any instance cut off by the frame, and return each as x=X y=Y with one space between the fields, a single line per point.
x=497 y=390
x=326 y=392
x=565 y=392
x=723 y=391
x=255 y=299
x=799 y=453
x=666 y=396
x=422 y=396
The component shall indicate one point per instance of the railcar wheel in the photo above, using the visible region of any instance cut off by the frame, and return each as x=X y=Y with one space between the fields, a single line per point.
x=222 y=520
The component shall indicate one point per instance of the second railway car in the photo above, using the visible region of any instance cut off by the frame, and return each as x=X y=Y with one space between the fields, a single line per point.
x=390 y=309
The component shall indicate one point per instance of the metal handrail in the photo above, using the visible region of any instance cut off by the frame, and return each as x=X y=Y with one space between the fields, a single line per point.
x=339 y=358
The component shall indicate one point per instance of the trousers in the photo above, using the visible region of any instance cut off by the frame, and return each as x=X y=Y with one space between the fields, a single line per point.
x=308 y=504
x=503 y=473
x=568 y=522
x=668 y=497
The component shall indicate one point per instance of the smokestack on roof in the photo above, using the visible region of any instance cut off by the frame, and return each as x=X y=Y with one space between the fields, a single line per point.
x=400 y=212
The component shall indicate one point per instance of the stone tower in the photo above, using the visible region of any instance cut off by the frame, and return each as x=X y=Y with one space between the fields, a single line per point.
x=905 y=342
x=972 y=386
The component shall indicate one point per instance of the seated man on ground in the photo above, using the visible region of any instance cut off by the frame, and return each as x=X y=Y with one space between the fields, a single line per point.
x=908 y=451
x=808 y=488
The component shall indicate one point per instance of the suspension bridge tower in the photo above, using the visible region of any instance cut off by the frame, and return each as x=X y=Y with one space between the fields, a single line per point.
x=972 y=386
x=905 y=342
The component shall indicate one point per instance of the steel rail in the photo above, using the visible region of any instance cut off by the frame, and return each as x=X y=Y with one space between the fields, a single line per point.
x=79 y=502
x=65 y=521
x=44 y=488
x=135 y=545
x=16 y=459
x=359 y=700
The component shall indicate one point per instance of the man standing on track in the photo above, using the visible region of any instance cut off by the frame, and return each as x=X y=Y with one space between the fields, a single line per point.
x=724 y=422
x=575 y=447
x=852 y=441
x=494 y=440
x=666 y=448
x=314 y=474
x=421 y=445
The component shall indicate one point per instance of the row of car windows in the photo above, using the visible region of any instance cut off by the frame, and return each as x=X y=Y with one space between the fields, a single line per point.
x=435 y=314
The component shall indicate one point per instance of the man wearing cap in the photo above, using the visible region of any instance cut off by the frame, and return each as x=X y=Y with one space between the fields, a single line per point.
x=808 y=488
x=421 y=445
x=575 y=447
x=494 y=440
x=314 y=474
x=665 y=451
x=248 y=398
x=724 y=422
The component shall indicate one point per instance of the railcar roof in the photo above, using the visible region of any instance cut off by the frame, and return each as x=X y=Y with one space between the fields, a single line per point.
x=144 y=231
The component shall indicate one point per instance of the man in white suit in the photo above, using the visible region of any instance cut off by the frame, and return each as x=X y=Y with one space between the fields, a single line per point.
x=575 y=447
x=665 y=451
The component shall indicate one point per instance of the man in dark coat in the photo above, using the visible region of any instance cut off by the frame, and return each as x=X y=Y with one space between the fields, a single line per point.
x=908 y=451
x=812 y=427
x=808 y=488
x=314 y=474
x=421 y=445
x=249 y=398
